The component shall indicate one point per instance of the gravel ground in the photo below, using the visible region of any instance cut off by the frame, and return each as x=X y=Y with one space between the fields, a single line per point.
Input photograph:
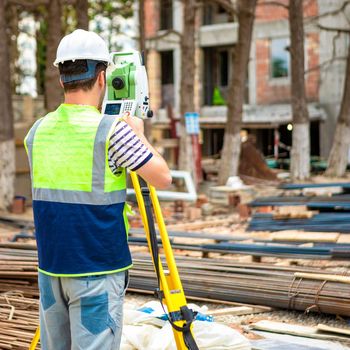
x=241 y=323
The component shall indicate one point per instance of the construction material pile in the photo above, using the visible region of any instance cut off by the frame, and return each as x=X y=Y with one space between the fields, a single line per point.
x=18 y=320
x=19 y=304
x=296 y=288
x=292 y=288
x=325 y=208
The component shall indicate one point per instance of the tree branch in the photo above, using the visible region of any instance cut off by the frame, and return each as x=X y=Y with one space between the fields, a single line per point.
x=333 y=29
x=325 y=64
x=335 y=12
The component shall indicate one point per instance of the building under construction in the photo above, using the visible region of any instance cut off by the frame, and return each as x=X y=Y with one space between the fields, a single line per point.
x=267 y=112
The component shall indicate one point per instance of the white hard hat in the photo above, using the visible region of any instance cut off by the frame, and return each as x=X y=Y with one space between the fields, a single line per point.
x=82 y=45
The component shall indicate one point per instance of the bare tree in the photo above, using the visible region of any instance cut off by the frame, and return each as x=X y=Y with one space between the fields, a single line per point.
x=7 y=144
x=300 y=154
x=338 y=158
x=82 y=7
x=53 y=92
x=142 y=47
x=142 y=36
x=187 y=81
x=232 y=141
x=12 y=17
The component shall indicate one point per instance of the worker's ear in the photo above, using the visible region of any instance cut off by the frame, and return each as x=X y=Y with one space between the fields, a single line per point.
x=101 y=79
x=61 y=83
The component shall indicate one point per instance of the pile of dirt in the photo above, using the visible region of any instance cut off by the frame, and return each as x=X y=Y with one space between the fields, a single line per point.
x=252 y=162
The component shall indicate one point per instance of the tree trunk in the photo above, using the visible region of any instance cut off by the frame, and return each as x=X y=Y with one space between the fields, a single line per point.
x=53 y=91
x=7 y=144
x=12 y=14
x=187 y=82
x=82 y=8
x=232 y=141
x=142 y=47
x=142 y=37
x=300 y=154
x=338 y=158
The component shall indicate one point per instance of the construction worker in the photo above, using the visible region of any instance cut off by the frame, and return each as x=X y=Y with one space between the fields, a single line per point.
x=78 y=160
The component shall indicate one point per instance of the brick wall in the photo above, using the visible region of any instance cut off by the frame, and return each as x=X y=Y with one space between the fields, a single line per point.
x=270 y=90
x=151 y=17
x=266 y=12
x=267 y=90
x=278 y=90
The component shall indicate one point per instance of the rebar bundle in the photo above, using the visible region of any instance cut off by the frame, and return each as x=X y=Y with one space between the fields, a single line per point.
x=295 y=288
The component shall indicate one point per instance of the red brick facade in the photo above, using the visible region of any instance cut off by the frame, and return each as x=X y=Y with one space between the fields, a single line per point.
x=270 y=90
x=267 y=11
x=151 y=17
x=278 y=90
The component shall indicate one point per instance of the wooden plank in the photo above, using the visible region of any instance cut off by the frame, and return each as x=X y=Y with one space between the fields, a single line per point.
x=293 y=212
x=201 y=224
x=238 y=310
x=323 y=277
x=344 y=238
x=325 y=328
x=294 y=329
x=301 y=236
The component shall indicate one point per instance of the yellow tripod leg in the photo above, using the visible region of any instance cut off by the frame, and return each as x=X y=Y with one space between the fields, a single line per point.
x=170 y=284
x=35 y=340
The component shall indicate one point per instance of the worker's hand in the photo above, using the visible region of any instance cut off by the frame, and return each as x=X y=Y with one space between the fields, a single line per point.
x=135 y=123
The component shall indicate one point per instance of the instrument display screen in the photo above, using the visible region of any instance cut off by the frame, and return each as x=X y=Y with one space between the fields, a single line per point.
x=113 y=108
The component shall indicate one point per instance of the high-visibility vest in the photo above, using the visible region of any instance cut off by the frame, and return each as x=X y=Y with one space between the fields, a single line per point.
x=79 y=204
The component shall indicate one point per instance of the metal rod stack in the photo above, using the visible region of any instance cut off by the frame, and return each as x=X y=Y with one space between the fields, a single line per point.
x=250 y=283
x=323 y=222
x=204 y=279
x=336 y=202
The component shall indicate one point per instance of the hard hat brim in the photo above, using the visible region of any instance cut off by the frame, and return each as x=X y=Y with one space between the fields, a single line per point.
x=94 y=58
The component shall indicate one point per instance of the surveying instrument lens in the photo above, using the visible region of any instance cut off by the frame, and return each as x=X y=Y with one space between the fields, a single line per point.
x=118 y=83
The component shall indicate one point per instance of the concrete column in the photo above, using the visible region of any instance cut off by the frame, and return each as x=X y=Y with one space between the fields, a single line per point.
x=198 y=86
x=177 y=15
x=177 y=82
x=154 y=79
x=252 y=74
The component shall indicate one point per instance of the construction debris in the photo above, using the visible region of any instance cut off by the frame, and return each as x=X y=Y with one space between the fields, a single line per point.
x=19 y=319
x=298 y=330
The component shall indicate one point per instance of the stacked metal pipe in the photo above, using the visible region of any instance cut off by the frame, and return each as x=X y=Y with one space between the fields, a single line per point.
x=205 y=279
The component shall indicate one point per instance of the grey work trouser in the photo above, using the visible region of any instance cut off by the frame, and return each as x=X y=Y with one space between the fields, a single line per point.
x=82 y=313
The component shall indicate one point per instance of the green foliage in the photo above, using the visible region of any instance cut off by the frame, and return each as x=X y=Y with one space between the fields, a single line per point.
x=109 y=9
x=114 y=11
x=69 y=19
x=98 y=11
